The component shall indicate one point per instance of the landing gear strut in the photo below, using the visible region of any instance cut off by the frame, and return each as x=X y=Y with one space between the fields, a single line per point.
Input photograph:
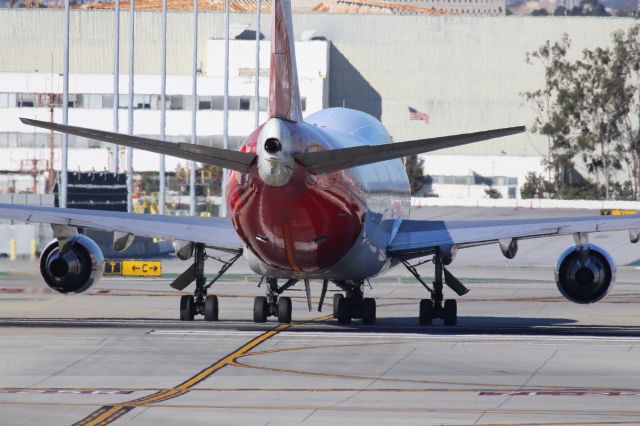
x=434 y=307
x=200 y=303
x=272 y=304
x=354 y=304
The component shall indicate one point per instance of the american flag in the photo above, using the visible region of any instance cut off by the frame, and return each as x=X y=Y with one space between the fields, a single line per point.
x=417 y=115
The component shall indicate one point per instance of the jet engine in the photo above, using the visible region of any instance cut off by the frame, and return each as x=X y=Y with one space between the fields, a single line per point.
x=585 y=273
x=74 y=270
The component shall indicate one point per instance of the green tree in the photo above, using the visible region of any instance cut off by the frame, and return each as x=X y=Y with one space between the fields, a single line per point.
x=540 y=12
x=584 y=110
x=415 y=171
x=533 y=186
x=492 y=193
x=626 y=46
x=553 y=110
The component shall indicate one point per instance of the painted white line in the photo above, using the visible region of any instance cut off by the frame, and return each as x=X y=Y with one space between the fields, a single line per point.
x=412 y=336
x=67 y=391
x=559 y=393
x=207 y=332
x=369 y=335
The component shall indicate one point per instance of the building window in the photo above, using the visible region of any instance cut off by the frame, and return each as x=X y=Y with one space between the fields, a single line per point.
x=107 y=101
x=234 y=103
x=262 y=103
x=244 y=103
x=47 y=100
x=205 y=102
x=217 y=103
x=75 y=101
x=94 y=101
x=26 y=100
x=123 y=101
x=41 y=140
x=176 y=102
x=142 y=101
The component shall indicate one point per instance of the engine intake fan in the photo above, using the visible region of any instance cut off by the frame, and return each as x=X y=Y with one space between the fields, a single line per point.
x=585 y=273
x=75 y=270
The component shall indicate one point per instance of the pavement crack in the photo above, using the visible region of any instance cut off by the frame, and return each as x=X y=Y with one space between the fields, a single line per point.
x=359 y=391
x=100 y=347
x=139 y=412
x=536 y=372
x=546 y=361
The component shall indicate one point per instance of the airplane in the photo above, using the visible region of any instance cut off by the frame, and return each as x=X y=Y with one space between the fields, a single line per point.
x=323 y=198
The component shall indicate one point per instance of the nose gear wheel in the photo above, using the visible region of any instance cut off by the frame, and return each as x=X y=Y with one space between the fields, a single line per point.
x=273 y=305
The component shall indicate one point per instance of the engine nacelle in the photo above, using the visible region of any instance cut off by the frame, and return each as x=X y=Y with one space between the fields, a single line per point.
x=585 y=273
x=74 y=271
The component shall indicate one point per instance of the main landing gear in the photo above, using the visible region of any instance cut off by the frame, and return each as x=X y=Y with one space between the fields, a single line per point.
x=434 y=307
x=200 y=303
x=354 y=305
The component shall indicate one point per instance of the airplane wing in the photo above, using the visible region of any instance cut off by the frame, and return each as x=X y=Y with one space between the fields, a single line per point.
x=216 y=232
x=416 y=238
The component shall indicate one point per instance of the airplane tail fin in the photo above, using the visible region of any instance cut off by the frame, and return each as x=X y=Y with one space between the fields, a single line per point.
x=284 y=93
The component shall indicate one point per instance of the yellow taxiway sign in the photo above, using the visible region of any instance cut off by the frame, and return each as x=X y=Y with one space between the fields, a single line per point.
x=617 y=212
x=138 y=268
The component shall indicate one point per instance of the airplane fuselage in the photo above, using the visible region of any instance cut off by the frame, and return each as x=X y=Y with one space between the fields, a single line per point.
x=295 y=224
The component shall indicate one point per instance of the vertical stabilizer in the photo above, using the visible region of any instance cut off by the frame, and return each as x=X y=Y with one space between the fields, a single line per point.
x=284 y=94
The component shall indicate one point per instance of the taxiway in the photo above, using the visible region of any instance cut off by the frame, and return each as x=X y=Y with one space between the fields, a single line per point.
x=521 y=354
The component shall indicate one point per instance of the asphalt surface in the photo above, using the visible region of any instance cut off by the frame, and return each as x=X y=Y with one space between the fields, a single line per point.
x=520 y=354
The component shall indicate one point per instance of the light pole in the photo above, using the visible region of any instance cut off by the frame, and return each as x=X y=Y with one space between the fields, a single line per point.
x=163 y=107
x=194 y=109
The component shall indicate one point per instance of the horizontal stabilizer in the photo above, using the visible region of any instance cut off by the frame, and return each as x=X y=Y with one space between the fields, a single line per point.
x=338 y=159
x=229 y=159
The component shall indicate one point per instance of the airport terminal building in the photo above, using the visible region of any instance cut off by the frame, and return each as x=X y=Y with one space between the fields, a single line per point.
x=463 y=73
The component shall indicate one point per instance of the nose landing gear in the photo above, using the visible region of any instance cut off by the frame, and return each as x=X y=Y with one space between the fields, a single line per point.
x=272 y=304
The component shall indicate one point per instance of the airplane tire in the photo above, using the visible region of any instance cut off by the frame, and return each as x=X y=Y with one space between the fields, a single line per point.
x=284 y=310
x=260 y=308
x=426 y=312
x=344 y=311
x=211 y=308
x=336 y=299
x=369 y=311
x=450 y=312
x=187 y=309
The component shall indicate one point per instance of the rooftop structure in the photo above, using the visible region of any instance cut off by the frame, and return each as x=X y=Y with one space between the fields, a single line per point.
x=397 y=7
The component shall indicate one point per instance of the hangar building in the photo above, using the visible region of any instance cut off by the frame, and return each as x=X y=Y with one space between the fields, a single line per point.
x=467 y=73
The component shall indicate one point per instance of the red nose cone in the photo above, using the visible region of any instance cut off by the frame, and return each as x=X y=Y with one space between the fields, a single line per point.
x=308 y=224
